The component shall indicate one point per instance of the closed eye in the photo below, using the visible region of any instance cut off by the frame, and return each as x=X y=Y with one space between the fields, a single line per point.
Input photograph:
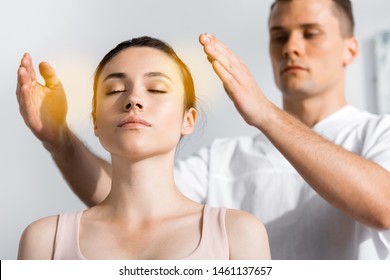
x=309 y=35
x=115 y=91
x=157 y=91
x=279 y=38
x=311 y=31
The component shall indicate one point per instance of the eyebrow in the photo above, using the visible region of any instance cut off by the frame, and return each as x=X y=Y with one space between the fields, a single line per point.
x=304 y=26
x=121 y=75
x=157 y=74
x=115 y=76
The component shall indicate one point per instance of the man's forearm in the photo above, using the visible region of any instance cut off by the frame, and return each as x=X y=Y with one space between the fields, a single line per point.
x=88 y=175
x=353 y=184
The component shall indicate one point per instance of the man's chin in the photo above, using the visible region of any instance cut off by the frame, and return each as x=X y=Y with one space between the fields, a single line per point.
x=296 y=88
x=296 y=93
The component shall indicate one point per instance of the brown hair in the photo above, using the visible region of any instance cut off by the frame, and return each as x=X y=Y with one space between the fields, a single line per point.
x=345 y=14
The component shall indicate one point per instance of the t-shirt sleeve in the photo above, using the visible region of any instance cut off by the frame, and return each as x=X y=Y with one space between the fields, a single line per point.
x=192 y=175
x=378 y=150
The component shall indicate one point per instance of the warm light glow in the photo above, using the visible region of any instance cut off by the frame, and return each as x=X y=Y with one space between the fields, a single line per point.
x=208 y=87
x=76 y=73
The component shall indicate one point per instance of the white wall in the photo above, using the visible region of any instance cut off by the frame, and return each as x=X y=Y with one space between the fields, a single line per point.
x=74 y=35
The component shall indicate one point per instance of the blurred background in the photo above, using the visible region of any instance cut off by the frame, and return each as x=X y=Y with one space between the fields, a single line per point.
x=74 y=35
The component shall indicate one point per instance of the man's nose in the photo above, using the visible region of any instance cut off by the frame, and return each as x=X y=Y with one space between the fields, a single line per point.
x=294 y=45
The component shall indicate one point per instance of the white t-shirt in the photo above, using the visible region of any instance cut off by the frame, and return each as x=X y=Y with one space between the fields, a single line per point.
x=250 y=174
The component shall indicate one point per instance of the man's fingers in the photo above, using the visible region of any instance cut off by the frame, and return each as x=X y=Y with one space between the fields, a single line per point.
x=216 y=50
x=213 y=47
x=26 y=62
x=21 y=77
x=23 y=74
x=205 y=38
x=49 y=75
x=26 y=77
x=222 y=60
x=25 y=103
x=227 y=79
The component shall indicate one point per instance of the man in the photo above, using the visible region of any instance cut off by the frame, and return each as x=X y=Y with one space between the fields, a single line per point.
x=318 y=173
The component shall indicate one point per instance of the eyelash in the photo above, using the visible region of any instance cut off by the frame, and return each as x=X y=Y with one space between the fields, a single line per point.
x=115 y=91
x=285 y=38
x=149 y=90
x=280 y=38
x=157 y=91
x=310 y=34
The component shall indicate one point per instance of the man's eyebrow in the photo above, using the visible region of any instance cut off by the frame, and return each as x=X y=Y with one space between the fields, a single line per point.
x=157 y=74
x=303 y=26
x=115 y=76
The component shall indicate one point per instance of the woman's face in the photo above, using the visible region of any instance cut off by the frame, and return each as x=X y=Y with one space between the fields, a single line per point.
x=139 y=108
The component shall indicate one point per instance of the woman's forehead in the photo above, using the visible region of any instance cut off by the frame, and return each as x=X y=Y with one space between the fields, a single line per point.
x=140 y=60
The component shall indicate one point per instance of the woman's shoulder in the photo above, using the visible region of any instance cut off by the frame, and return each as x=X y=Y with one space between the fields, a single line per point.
x=242 y=222
x=37 y=240
x=247 y=235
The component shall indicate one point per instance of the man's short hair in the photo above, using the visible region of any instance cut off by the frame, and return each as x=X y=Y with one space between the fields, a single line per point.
x=343 y=9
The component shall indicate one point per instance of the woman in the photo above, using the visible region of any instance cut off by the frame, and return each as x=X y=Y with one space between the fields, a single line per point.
x=143 y=103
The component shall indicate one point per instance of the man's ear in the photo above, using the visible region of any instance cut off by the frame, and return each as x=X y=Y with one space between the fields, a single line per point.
x=189 y=121
x=351 y=51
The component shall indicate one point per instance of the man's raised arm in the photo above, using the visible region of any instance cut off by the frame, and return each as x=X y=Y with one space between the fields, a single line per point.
x=353 y=184
x=44 y=109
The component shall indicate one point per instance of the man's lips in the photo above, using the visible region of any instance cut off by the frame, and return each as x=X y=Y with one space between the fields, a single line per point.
x=293 y=68
x=133 y=121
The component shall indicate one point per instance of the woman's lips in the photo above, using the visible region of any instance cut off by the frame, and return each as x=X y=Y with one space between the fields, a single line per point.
x=133 y=122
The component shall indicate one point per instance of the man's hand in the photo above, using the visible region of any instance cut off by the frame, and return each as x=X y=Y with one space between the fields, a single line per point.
x=43 y=107
x=238 y=82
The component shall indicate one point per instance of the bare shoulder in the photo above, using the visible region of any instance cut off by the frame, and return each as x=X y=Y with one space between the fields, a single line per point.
x=247 y=236
x=37 y=240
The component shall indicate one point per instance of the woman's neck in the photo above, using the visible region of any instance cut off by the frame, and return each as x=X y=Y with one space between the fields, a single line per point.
x=143 y=188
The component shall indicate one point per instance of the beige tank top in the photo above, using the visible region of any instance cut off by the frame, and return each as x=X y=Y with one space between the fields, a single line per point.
x=213 y=244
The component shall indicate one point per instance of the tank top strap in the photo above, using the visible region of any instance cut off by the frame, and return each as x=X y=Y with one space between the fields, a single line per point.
x=214 y=243
x=66 y=245
x=215 y=231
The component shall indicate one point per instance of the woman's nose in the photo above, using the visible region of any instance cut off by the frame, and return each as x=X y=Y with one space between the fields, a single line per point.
x=134 y=103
